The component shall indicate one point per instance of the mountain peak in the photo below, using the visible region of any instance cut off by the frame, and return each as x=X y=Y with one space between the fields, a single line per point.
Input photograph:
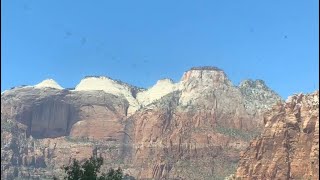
x=48 y=83
x=249 y=83
x=108 y=85
x=165 y=80
x=206 y=74
x=206 y=68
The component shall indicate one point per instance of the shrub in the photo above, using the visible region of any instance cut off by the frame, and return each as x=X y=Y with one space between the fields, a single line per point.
x=89 y=171
x=236 y=133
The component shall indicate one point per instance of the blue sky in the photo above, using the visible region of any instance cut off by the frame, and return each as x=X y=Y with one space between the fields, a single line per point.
x=140 y=42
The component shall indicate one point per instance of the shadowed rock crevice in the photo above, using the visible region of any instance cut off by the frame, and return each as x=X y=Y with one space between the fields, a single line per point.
x=49 y=118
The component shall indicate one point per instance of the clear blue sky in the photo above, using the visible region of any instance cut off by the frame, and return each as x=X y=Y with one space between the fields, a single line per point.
x=140 y=42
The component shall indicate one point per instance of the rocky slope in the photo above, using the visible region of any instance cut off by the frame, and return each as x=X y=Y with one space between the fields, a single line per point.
x=289 y=145
x=194 y=128
x=43 y=127
x=197 y=131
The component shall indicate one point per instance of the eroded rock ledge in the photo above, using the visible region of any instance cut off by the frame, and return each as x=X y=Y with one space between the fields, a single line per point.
x=289 y=145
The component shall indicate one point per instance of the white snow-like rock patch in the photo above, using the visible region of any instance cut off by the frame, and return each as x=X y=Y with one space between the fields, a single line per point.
x=160 y=89
x=5 y=91
x=109 y=86
x=48 y=83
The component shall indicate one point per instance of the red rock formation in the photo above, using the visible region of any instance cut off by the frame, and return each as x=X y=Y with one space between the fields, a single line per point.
x=194 y=132
x=289 y=145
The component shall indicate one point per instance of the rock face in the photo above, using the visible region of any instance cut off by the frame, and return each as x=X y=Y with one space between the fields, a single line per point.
x=192 y=129
x=52 y=113
x=111 y=86
x=289 y=145
x=160 y=89
x=43 y=128
x=195 y=132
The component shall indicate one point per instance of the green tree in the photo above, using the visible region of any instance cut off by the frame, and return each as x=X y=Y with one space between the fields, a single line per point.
x=89 y=171
x=112 y=175
x=74 y=171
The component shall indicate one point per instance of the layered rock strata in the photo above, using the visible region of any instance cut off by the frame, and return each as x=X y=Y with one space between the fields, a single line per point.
x=194 y=128
x=288 y=148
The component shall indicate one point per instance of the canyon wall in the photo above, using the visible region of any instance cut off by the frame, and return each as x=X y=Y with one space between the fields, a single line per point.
x=192 y=129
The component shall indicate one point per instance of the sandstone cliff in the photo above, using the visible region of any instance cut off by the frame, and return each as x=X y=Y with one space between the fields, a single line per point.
x=197 y=131
x=194 y=128
x=288 y=148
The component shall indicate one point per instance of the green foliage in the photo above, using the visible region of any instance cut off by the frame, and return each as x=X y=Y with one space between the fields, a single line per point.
x=74 y=171
x=77 y=139
x=112 y=175
x=89 y=171
x=236 y=133
x=91 y=168
x=6 y=125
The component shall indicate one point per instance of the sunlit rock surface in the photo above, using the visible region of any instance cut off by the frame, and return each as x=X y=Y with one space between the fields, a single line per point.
x=288 y=147
x=191 y=129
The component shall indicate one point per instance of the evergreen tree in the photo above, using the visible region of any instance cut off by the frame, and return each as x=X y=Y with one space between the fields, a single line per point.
x=89 y=171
